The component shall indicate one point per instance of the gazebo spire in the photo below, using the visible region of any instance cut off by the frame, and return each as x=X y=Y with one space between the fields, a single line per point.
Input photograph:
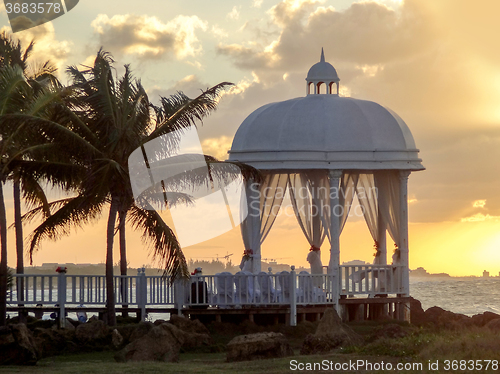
x=322 y=74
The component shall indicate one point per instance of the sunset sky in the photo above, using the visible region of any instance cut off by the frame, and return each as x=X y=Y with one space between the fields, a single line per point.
x=435 y=63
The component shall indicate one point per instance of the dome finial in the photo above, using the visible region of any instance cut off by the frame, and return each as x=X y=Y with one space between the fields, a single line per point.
x=322 y=55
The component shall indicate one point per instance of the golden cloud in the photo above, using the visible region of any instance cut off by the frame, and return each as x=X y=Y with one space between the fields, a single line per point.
x=479 y=217
x=148 y=37
x=479 y=203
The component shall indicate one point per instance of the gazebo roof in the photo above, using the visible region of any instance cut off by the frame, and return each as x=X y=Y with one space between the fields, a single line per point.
x=322 y=71
x=325 y=131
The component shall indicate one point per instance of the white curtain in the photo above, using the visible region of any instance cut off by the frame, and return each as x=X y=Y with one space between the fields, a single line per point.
x=367 y=197
x=264 y=201
x=310 y=195
x=346 y=192
x=309 y=200
x=388 y=184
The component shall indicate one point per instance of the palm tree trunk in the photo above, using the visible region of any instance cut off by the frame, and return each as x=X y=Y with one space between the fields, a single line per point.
x=110 y=292
x=3 y=261
x=19 y=246
x=123 y=262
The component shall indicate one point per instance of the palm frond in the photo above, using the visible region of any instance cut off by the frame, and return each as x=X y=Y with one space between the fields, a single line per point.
x=164 y=245
x=77 y=212
x=179 y=112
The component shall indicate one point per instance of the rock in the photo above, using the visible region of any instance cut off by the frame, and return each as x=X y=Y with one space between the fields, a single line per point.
x=126 y=332
x=162 y=343
x=53 y=342
x=196 y=334
x=417 y=314
x=17 y=346
x=193 y=340
x=258 y=346
x=330 y=334
x=92 y=332
x=483 y=319
x=445 y=319
x=67 y=326
x=116 y=339
x=188 y=325
x=493 y=325
x=143 y=328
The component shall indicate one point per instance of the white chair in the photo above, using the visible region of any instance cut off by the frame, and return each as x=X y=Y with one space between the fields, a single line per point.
x=305 y=290
x=225 y=291
x=285 y=286
x=268 y=292
x=243 y=282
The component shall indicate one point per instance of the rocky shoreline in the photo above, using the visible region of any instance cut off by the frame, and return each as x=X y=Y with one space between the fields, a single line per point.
x=25 y=344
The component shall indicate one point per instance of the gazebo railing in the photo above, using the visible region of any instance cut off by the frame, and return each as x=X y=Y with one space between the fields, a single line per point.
x=371 y=279
x=228 y=290
x=224 y=290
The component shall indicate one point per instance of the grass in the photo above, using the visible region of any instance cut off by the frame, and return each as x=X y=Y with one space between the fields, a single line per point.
x=205 y=363
x=419 y=346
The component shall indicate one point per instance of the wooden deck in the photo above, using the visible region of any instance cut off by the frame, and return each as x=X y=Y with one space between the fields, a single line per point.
x=352 y=309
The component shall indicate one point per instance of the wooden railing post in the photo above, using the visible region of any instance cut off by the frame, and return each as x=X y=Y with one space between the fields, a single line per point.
x=61 y=298
x=293 y=298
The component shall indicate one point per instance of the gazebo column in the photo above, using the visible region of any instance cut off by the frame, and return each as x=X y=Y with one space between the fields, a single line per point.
x=335 y=214
x=403 y=245
x=253 y=200
x=382 y=235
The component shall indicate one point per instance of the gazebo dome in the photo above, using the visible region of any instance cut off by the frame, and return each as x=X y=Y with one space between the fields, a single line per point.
x=325 y=131
x=322 y=71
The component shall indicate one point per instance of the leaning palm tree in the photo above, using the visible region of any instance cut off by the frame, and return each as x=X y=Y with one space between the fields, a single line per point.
x=107 y=120
x=17 y=100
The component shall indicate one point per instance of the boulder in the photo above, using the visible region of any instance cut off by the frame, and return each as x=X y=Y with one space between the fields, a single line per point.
x=445 y=319
x=258 y=346
x=417 y=313
x=196 y=334
x=484 y=318
x=493 y=325
x=187 y=325
x=330 y=334
x=17 y=346
x=116 y=339
x=53 y=342
x=143 y=328
x=68 y=325
x=92 y=332
x=162 y=343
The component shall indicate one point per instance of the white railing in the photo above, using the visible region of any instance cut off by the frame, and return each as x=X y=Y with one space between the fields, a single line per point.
x=79 y=289
x=371 y=280
x=223 y=290
x=264 y=289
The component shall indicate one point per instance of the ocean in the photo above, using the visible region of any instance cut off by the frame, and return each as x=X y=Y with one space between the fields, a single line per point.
x=467 y=296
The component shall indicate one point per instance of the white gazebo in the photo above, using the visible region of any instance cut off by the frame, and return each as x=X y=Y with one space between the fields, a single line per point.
x=325 y=149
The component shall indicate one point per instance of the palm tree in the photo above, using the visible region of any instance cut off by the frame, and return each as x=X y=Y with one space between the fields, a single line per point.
x=108 y=119
x=22 y=86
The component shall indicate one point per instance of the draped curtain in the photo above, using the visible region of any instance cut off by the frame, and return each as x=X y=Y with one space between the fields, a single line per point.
x=388 y=185
x=309 y=203
x=367 y=197
x=264 y=201
x=310 y=196
x=345 y=192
